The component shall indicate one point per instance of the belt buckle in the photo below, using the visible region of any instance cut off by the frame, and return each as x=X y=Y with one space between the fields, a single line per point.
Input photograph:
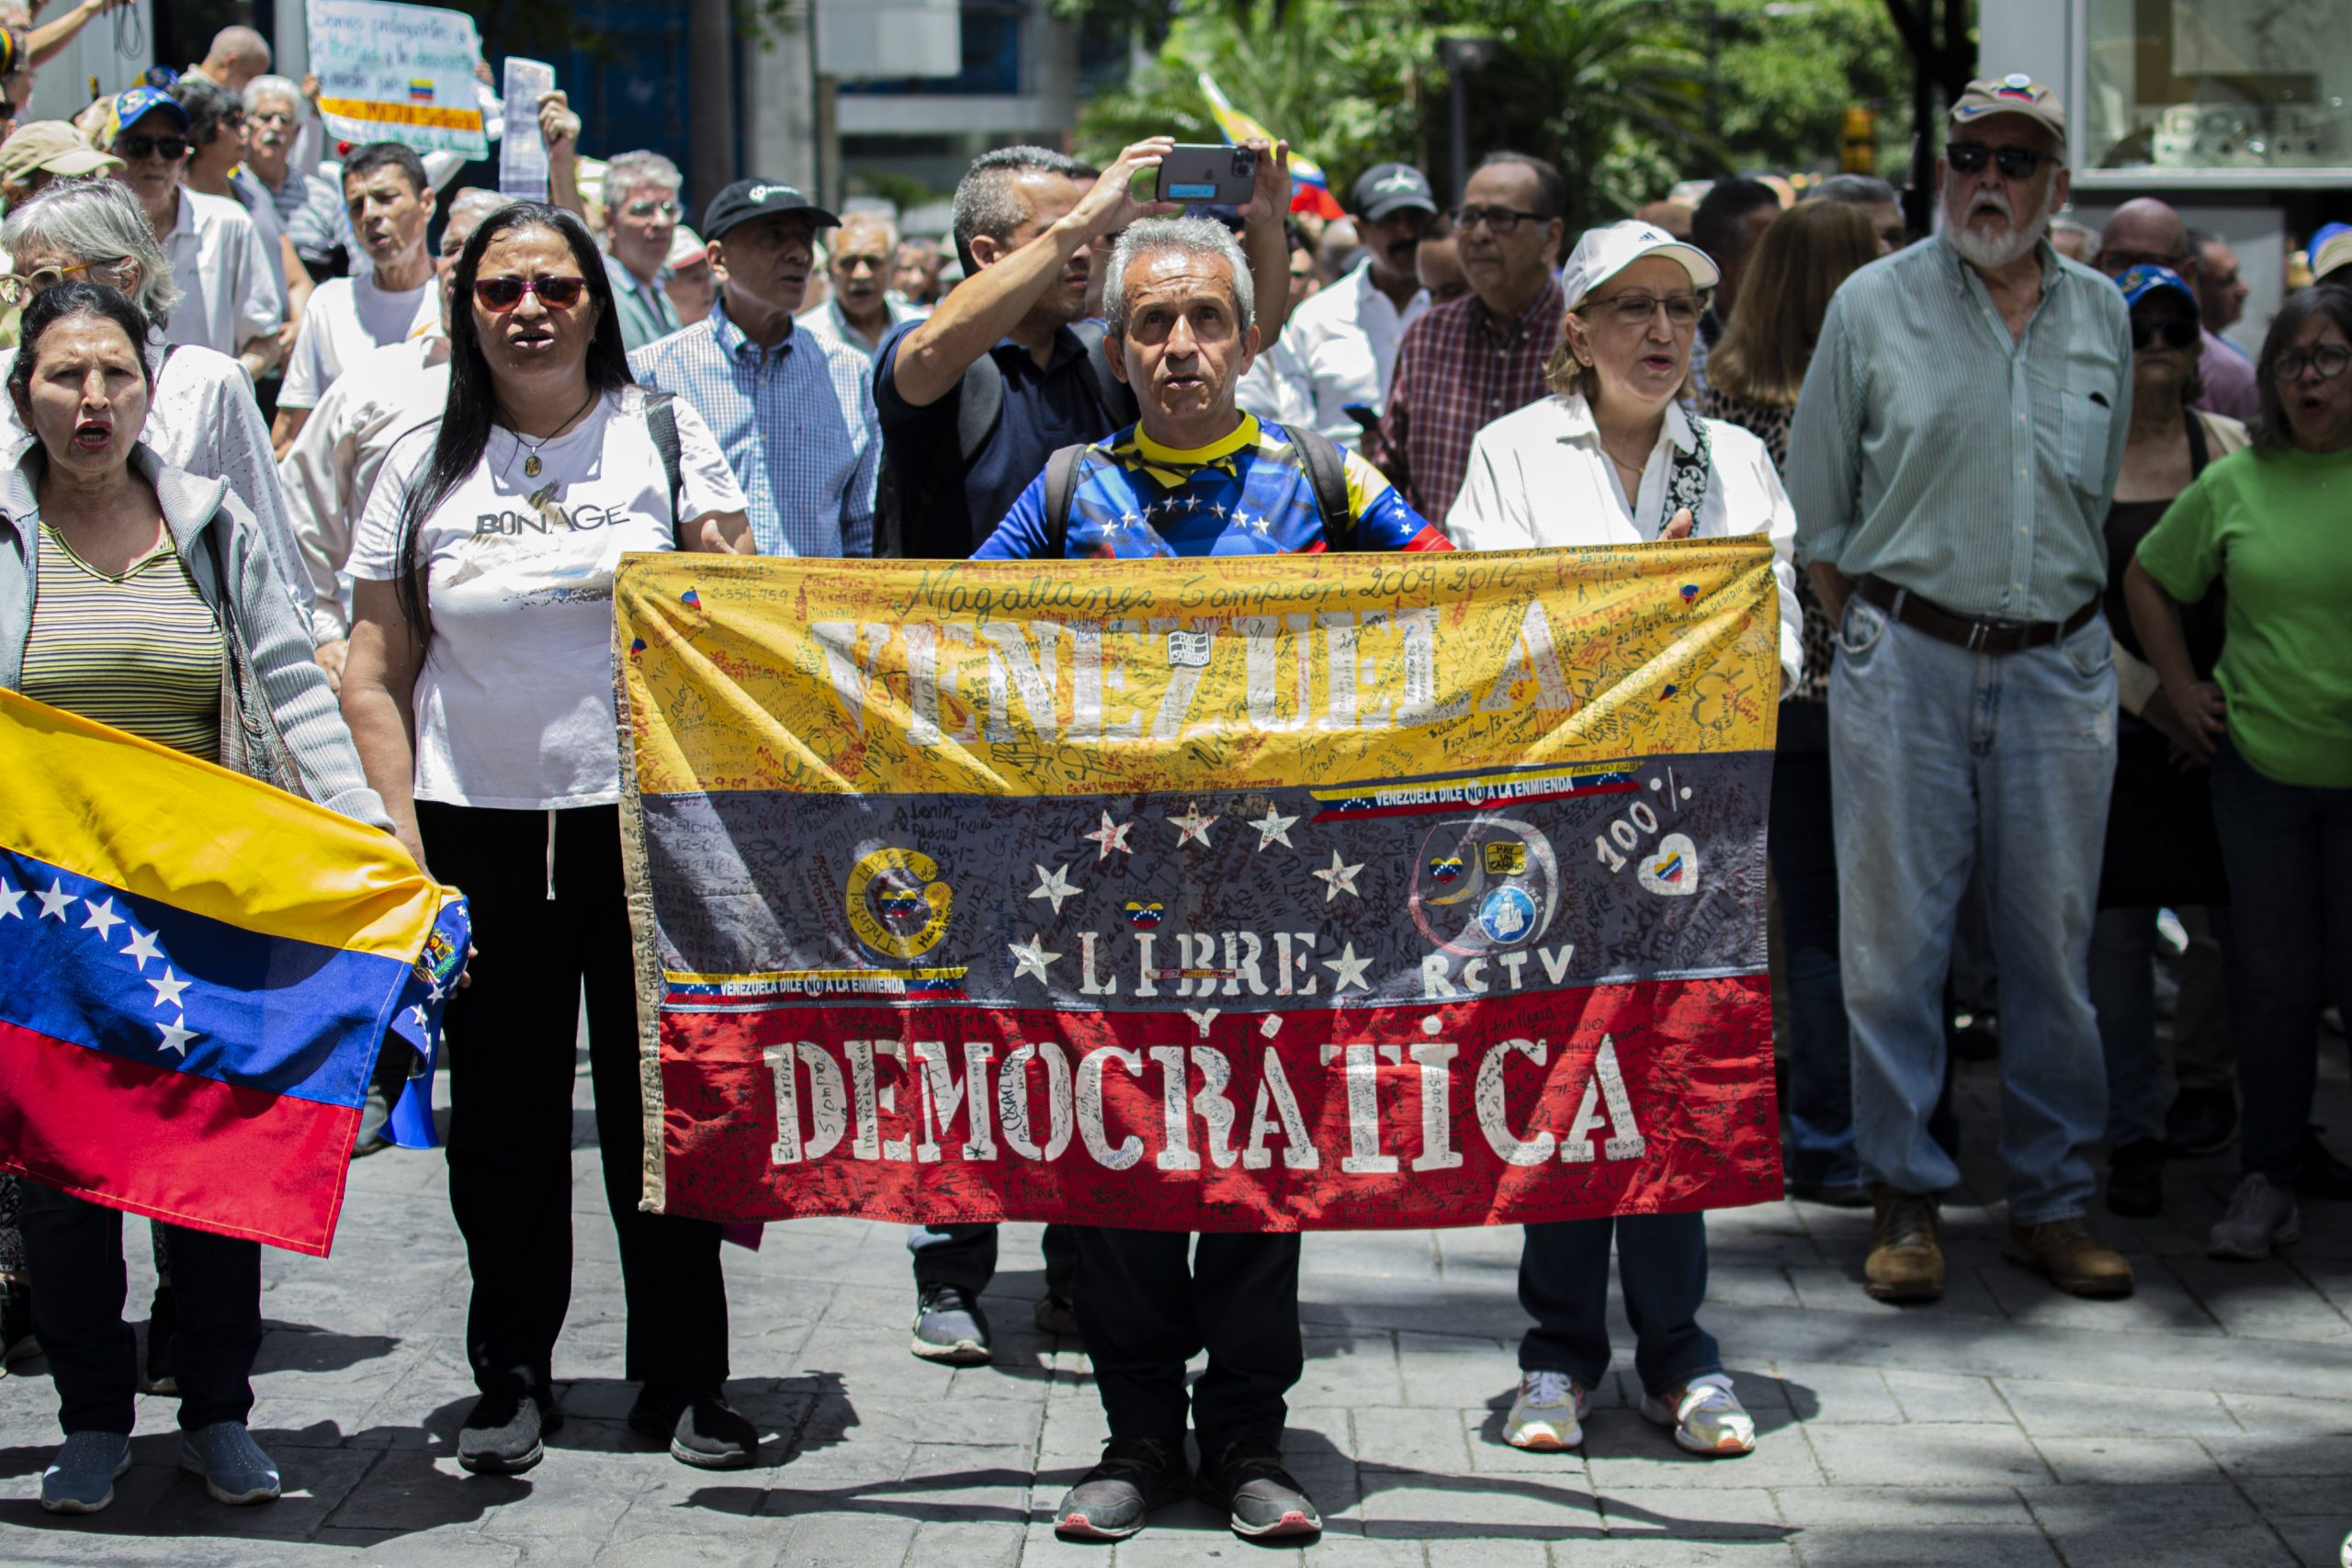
x=1982 y=627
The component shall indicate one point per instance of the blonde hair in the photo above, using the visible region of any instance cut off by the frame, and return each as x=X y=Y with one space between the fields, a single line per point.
x=1783 y=295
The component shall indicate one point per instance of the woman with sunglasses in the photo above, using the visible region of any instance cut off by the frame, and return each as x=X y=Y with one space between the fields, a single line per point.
x=479 y=686
x=1611 y=457
x=2266 y=526
x=2161 y=853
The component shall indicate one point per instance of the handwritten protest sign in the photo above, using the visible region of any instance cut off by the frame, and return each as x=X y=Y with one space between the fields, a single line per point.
x=398 y=73
x=1323 y=891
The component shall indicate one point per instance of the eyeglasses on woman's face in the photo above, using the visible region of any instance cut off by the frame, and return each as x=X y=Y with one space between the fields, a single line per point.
x=17 y=288
x=499 y=295
x=1635 y=308
x=2328 y=358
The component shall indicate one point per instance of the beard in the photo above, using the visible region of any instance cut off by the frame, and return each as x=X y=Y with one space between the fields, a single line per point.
x=1992 y=252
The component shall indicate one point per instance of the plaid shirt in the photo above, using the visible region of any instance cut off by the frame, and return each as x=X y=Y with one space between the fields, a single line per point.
x=1455 y=374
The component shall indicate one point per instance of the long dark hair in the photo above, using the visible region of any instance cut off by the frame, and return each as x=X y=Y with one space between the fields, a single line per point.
x=2269 y=428
x=473 y=405
x=51 y=306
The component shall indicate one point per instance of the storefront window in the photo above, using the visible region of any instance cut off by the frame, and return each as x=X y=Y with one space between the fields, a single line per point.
x=2217 y=85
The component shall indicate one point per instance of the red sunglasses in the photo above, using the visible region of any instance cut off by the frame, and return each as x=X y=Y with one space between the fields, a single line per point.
x=503 y=294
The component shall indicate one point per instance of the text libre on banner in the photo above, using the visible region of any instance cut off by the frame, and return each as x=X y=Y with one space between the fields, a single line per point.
x=1315 y=891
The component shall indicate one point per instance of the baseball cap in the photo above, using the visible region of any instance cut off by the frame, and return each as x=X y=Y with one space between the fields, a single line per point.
x=2334 y=254
x=747 y=200
x=52 y=146
x=2139 y=282
x=130 y=106
x=1602 y=253
x=685 y=248
x=1385 y=189
x=2016 y=92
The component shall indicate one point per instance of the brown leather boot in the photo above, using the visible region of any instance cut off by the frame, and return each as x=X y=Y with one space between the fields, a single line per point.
x=1905 y=1262
x=2071 y=1253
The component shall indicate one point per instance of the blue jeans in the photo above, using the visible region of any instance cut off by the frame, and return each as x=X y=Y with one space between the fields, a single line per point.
x=1804 y=867
x=1940 y=759
x=2289 y=850
x=1661 y=1265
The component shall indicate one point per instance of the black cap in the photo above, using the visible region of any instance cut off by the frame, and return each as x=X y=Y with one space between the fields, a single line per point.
x=747 y=200
x=1387 y=188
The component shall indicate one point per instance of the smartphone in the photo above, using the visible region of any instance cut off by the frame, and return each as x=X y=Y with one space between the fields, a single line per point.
x=1221 y=175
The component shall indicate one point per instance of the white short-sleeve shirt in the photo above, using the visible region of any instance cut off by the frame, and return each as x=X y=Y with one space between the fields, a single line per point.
x=514 y=706
x=346 y=318
x=229 y=295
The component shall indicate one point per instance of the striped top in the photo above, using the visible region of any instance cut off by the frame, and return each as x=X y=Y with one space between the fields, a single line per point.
x=1937 y=451
x=140 y=652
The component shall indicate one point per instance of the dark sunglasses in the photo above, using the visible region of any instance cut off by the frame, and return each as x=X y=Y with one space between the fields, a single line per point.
x=2014 y=162
x=170 y=149
x=503 y=294
x=2177 y=331
x=1501 y=220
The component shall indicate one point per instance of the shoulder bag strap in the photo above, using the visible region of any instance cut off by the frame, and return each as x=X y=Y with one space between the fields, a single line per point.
x=2201 y=451
x=1061 y=483
x=1326 y=471
x=662 y=423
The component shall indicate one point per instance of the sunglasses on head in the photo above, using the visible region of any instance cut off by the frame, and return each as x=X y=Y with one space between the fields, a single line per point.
x=503 y=294
x=2177 y=331
x=170 y=149
x=2014 y=162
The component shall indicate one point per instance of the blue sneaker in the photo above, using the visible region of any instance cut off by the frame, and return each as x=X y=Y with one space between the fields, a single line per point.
x=234 y=1467
x=81 y=1479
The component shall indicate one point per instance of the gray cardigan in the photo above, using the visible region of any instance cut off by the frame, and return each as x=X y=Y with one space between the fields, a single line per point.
x=217 y=538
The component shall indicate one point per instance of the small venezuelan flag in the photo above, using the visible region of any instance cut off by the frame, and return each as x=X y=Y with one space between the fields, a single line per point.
x=420 y=92
x=197 y=972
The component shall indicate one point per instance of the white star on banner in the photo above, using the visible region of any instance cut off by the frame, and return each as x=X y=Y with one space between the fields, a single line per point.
x=435 y=991
x=1191 y=826
x=1273 y=828
x=1055 y=885
x=1348 y=970
x=176 y=1038
x=168 y=989
x=1338 y=879
x=101 y=918
x=1030 y=958
x=55 y=904
x=9 y=899
x=416 y=1016
x=141 y=946
x=1111 y=836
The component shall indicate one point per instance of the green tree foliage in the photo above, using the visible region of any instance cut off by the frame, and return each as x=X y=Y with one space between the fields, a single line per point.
x=1791 y=68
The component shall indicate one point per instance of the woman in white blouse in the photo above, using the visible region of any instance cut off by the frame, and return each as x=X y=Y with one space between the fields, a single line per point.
x=1612 y=458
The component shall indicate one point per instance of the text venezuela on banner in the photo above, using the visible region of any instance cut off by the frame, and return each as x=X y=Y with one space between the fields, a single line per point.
x=197 y=972
x=1307 y=891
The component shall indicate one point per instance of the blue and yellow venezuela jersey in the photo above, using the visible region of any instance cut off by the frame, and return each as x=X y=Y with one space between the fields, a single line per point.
x=1245 y=496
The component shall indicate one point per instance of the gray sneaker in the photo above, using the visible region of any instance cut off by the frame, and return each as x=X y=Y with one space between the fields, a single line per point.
x=2261 y=1215
x=235 y=1468
x=950 y=1329
x=80 y=1480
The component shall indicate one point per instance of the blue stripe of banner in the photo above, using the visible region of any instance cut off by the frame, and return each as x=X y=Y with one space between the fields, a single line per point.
x=87 y=962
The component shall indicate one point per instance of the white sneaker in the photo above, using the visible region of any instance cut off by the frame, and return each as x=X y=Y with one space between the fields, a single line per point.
x=1545 y=1414
x=2261 y=1215
x=1706 y=1415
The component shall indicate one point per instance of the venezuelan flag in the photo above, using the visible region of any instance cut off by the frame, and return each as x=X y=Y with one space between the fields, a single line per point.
x=1310 y=187
x=197 y=972
x=419 y=91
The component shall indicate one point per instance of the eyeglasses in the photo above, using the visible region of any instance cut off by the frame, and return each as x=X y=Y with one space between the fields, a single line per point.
x=16 y=288
x=2014 y=162
x=1636 y=310
x=2177 y=331
x=2329 y=359
x=1501 y=220
x=170 y=149
x=652 y=210
x=500 y=295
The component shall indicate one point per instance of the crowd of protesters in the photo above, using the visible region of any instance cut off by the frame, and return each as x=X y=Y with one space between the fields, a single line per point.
x=2060 y=580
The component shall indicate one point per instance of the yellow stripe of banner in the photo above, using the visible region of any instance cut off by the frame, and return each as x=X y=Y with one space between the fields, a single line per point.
x=1103 y=677
x=378 y=113
x=166 y=826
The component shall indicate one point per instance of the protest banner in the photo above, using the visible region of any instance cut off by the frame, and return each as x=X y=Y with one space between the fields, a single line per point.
x=197 y=972
x=392 y=73
x=523 y=159
x=1230 y=893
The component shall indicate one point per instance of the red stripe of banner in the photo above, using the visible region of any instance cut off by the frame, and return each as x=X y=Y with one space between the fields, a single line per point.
x=174 y=1146
x=1648 y=1098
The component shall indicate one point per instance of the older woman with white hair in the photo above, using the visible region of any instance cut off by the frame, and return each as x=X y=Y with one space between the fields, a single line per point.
x=1611 y=457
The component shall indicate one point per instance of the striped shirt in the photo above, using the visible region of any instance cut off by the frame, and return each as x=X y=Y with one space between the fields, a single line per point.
x=1935 y=450
x=1457 y=373
x=140 y=652
x=797 y=422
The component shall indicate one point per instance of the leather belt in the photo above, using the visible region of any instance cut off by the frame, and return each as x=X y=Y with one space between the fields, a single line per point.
x=1978 y=634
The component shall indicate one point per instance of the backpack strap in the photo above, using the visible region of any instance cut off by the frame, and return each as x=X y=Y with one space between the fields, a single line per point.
x=1118 y=399
x=2201 y=451
x=1327 y=471
x=1061 y=483
x=980 y=407
x=661 y=422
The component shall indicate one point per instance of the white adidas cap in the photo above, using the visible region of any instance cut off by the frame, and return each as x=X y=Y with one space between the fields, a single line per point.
x=1602 y=253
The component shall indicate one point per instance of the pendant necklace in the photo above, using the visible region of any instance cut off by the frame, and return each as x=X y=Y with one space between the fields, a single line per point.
x=531 y=463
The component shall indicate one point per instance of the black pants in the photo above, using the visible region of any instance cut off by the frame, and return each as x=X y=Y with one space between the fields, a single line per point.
x=1142 y=1314
x=1661 y=1266
x=965 y=1257
x=512 y=1045
x=74 y=1249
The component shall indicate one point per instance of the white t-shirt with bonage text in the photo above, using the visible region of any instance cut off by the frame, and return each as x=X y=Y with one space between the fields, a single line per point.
x=514 y=706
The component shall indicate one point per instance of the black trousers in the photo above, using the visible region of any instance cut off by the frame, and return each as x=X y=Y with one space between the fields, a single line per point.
x=1142 y=1313
x=512 y=1045
x=74 y=1249
x=964 y=1255
x=1662 y=1268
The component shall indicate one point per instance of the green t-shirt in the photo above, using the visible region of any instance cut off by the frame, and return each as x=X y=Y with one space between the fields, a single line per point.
x=2276 y=529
